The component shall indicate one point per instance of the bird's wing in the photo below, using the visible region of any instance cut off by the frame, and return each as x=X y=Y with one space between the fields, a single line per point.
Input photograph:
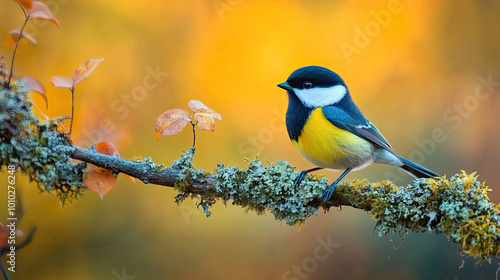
x=352 y=120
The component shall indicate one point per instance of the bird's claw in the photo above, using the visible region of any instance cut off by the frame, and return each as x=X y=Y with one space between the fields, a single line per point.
x=299 y=179
x=328 y=193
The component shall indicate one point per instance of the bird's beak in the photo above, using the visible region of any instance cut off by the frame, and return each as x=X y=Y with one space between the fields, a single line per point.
x=285 y=86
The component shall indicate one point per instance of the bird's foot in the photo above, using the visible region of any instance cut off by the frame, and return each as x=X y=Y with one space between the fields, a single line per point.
x=328 y=193
x=299 y=179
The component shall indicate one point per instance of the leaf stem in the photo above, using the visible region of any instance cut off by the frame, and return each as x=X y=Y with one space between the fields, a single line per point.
x=17 y=44
x=4 y=272
x=72 y=109
x=194 y=132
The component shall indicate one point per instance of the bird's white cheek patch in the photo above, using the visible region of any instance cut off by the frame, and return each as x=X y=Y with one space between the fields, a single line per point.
x=320 y=97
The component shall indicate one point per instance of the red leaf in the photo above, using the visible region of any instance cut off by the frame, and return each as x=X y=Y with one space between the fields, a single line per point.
x=34 y=85
x=59 y=81
x=41 y=11
x=83 y=71
x=26 y=3
x=14 y=34
x=171 y=122
x=98 y=179
x=4 y=234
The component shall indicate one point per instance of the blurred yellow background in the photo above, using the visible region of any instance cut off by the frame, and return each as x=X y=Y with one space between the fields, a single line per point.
x=413 y=67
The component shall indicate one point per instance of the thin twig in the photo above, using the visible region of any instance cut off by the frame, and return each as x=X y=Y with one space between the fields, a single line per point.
x=17 y=44
x=72 y=109
x=4 y=271
x=194 y=132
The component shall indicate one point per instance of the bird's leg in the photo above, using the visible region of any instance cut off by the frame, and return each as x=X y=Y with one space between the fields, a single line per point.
x=328 y=193
x=303 y=174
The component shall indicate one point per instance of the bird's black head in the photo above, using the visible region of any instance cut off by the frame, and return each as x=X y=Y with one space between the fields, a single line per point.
x=315 y=86
x=311 y=77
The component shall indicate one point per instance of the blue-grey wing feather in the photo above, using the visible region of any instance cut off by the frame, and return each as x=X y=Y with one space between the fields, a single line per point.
x=352 y=120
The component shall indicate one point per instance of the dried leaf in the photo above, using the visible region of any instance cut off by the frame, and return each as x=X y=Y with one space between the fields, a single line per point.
x=171 y=122
x=26 y=3
x=132 y=179
x=196 y=105
x=14 y=35
x=97 y=179
x=10 y=41
x=205 y=121
x=107 y=148
x=59 y=81
x=41 y=11
x=83 y=71
x=4 y=235
x=199 y=107
x=34 y=85
x=210 y=112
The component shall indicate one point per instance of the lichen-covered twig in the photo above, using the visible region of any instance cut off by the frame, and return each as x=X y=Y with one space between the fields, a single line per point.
x=457 y=207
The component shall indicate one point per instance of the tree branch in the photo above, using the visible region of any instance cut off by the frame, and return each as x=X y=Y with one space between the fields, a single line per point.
x=458 y=207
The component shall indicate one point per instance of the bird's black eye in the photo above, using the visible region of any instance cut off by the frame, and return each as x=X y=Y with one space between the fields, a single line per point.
x=308 y=85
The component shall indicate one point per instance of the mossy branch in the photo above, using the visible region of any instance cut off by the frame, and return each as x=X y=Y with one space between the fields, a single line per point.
x=458 y=207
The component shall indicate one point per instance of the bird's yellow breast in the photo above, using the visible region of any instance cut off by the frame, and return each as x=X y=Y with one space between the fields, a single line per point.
x=328 y=146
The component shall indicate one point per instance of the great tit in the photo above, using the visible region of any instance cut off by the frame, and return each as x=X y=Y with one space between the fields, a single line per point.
x=330 y=131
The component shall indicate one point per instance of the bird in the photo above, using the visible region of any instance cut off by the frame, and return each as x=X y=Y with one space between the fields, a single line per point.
x=329 y=130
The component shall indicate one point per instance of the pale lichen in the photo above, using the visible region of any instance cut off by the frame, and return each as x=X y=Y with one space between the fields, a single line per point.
x=36 y=147
x=458 y=208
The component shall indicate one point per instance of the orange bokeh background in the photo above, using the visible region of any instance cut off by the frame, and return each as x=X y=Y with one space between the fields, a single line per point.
x=411 y=66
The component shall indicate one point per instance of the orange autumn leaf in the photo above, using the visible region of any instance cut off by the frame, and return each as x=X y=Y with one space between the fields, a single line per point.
x=10 y=41
x=34 y=85
x=101 y=180
x=205 y=121
x=41 y=11
x=107 y=148
x=4 y=234
x=14 y=36
x=171 y=122
x=83 y=71
x=60 y=81
x=26 y=3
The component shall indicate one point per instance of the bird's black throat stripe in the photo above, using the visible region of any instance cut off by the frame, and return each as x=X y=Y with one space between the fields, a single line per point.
x=296 y=116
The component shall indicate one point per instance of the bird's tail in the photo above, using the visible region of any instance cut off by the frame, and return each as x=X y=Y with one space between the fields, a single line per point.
x=417 y=170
